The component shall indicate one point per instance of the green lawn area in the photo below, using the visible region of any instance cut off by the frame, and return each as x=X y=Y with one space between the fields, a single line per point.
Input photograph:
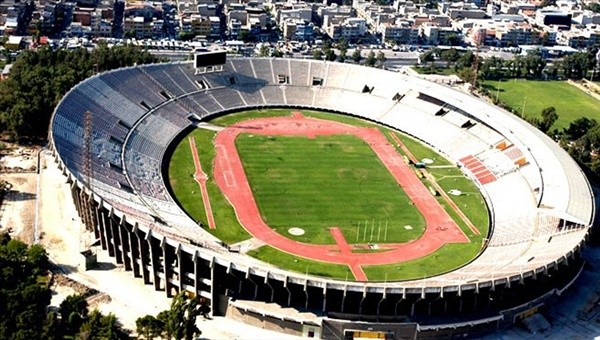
x=470 y=202
x=301 y=265
x=250 y=114
x=447 y=258
x=421 y=151
x=327 y=181
x=570 y=102
x=187 y=192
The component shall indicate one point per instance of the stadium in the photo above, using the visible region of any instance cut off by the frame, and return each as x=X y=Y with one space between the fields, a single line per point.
x=113 y=134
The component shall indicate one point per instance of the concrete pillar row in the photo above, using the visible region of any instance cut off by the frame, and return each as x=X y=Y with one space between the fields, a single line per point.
x=180 y=267
x=285 y=285
x=153 y=260
x=102 y=229
x=124 y=239
x=135 y=250
x=166 y=266
x=110 y=235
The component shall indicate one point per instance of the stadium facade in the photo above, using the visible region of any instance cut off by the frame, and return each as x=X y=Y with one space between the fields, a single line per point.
x=541 y=205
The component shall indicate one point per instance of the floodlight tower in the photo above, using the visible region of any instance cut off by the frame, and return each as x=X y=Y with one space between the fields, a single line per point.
x=88 y=172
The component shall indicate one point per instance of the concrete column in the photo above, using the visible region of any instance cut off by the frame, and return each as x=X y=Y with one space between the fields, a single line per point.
x=166 y=266
x=102 y=230
x=196 y=260
x=306 y=293
x=324 y=298
x=96 y=220
x=144 y=256
x=285 y=285
x=75 y=197
x=396 y=306
x=270 y=287
x=360 y=306
x=383 y=297
x=135 y=251
x=109 y=234
x=213 y=292
x=249 y=278
x=180 y=267
x=412 y=307
x=116 y=241
x=344 y=298
x=153 y=260
x=123 y=239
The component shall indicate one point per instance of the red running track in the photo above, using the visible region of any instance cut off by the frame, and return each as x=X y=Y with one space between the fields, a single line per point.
x=345 y=248
x=201 y=178
x=230 y=177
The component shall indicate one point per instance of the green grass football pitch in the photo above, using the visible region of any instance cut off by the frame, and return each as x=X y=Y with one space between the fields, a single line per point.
x=328 y=181
x=570 y=102
x=186 y=192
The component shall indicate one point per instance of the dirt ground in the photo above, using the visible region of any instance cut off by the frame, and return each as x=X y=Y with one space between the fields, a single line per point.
x=18 y=168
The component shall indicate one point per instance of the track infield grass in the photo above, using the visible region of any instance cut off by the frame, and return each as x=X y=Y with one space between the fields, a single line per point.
x=449 y=257
x=536 y=95
x=327 y=181
x=187 y=191
x=282 y=259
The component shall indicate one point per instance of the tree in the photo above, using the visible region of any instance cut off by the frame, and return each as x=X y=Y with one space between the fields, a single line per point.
x=73 y=311
x=534 y=63
x=246 y=37
x=342 y=56
x=576 y=65
x=23 y=300
x=318 y=54
x=263 y=51
x=466 y=59
x=427 y=56
x=39 y=79
x=452 y=39
x=579 y=128
x=594 y=7
x=185 y=36
x=277 y=53
x=342 y=45
x=549 y=117
x=370 y=60
x=450 y=56
x=330 y=55
x=149 y=327
x=356 y=56
x=178 y=322
x=546 y=3
x=380 y=59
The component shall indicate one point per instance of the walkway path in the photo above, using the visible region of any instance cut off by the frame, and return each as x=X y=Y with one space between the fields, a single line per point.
x=345 y=248
x=201 y=178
